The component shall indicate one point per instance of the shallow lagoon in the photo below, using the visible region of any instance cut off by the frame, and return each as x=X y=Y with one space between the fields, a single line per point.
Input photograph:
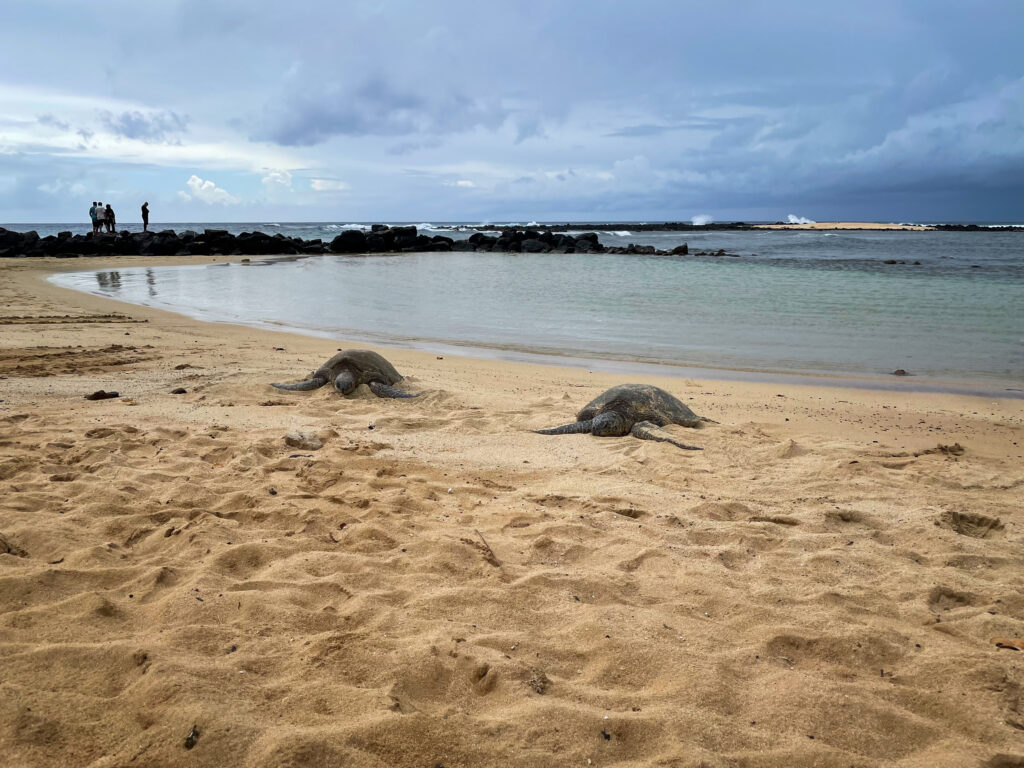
x=802 y=302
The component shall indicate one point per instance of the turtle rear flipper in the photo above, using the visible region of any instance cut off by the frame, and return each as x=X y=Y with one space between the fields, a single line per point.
x=646 y=430
x=386 y=390
x=576 y=428
x=303 y=386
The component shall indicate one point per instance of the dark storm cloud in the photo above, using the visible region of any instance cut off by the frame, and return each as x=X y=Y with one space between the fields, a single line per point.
x=408 y=147
x=650 y=129
x=52 y=121
x=312 y=113
x=153 y=127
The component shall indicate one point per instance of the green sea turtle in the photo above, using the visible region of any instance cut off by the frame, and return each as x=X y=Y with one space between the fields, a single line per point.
x=632 y=409
x=350 y=368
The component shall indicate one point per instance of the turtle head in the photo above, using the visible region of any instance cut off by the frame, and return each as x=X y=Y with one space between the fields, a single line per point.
x=609 y=424
x=345 y=382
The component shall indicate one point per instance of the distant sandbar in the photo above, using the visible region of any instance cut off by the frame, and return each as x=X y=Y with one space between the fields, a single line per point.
x=845 y=225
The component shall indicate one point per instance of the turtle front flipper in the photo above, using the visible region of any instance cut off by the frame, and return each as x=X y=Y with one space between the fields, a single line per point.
x=575 y=428
x=386 y=390
x=303 y=386
x=645 y=430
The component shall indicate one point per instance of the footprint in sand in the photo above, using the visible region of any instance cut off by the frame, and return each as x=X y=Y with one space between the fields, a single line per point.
x=727 y=511
x=942 y=599
x=971 y=524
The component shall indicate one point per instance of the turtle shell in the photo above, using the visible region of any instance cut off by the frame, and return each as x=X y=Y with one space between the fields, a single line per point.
x=365 y=365
x=641 y=402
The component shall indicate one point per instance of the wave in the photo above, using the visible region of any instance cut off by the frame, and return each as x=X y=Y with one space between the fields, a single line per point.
x=701 y=219
x=577 y=232
x=794 y=219
x=453 y=227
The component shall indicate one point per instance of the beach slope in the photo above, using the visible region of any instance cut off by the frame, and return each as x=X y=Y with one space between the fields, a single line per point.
x=829 y=582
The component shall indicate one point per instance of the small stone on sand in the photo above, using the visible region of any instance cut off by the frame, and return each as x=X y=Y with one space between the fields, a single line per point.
x=303 y=440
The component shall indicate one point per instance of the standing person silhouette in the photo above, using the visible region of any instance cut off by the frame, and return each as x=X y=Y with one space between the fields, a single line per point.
x=101 y=217
x=111 y=221
x=145 y=217
x=92 y=215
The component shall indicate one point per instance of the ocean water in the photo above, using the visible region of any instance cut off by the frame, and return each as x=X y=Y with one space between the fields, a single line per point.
x=327 y=231
x=795 y=302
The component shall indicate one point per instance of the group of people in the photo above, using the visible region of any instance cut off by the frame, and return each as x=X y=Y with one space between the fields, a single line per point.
x=103 y=219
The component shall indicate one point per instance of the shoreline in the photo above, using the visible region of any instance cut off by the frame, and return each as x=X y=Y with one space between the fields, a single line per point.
x=623 y=366
x=632 y=226
x=427 y=581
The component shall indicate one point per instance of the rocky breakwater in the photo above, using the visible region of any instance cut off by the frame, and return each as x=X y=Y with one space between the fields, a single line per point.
x=381 y=239
x=165 y=243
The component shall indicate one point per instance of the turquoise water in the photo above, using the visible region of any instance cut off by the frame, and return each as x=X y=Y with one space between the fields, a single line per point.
x=807 y=302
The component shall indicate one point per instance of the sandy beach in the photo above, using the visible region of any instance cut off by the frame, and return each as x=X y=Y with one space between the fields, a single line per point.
x=869 y=225
x=834 y=580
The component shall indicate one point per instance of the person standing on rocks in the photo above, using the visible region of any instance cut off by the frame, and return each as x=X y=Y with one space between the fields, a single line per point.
x=92 y=215
x=101 y=217
x=111 y=220
x=145 y=217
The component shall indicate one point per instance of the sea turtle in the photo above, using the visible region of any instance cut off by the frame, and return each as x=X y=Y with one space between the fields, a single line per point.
x=350 y=368
x=632 y=409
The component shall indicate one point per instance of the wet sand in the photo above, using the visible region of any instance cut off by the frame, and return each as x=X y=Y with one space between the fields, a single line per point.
x=438 y=585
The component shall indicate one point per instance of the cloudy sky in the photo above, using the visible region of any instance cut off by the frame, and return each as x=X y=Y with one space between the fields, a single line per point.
x=367 y=110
